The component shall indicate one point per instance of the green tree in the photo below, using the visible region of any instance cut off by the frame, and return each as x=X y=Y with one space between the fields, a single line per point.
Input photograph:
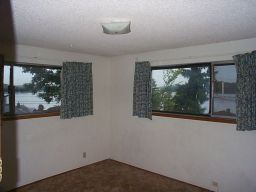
x=190 y=96
x=156 y=96
x=167 y=91
x=45 y=83
x=162 y=95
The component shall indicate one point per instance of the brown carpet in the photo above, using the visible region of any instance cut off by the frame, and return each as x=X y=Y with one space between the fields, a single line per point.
x=109 y=176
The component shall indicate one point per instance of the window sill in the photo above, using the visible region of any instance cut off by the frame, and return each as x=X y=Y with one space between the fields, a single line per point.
x=194 y=117
x=29 y=116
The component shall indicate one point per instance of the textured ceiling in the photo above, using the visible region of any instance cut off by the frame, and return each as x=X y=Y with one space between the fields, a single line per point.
x=74 y=25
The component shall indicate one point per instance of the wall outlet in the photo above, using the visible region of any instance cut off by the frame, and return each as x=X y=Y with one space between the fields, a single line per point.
x=84 y=154
x=215 y=184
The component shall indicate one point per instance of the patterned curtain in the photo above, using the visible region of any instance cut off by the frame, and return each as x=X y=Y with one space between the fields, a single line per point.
x=246 y=91
x=76 y=90
x=142 y=106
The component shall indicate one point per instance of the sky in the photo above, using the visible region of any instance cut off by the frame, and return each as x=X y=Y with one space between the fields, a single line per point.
x=18 y=78
x=224 y=73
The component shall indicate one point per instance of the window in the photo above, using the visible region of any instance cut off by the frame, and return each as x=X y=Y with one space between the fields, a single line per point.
x=31 y=89
x=205 y=89
x=224 y=91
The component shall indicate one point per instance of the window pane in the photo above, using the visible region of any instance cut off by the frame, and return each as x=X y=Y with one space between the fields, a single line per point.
x=37 y=89
x=224 y=90
x=6 y=85
x=181 y=90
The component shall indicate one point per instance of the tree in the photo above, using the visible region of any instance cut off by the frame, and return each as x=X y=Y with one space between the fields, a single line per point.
x=190 y=96
x=162 y=96
x=167 y=91
x=45 y=83
x=156 y=96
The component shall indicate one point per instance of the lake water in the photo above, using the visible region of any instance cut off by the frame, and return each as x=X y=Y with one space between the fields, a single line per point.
x=30 y=100
x=224 y=102
x=221 y=102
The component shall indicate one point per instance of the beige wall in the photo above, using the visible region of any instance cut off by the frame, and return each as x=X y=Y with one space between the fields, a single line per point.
x=196 y=152
x=42 y=147
x=192 y=151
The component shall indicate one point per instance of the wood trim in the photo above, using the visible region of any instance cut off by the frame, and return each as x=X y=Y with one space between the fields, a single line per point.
x=29 y=116
x=194 y=117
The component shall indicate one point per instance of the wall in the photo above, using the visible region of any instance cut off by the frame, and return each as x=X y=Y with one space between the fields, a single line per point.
x=196 y=152
x=42 y=147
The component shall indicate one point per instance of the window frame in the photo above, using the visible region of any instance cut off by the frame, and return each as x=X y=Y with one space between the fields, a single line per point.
x=202 y=117
x=11 y=115
x=212 y=104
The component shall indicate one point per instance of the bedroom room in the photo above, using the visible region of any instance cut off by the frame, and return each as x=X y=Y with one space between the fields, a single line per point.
x=162 y=105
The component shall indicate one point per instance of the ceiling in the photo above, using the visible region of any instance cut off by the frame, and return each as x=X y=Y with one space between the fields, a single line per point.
x=74 y=25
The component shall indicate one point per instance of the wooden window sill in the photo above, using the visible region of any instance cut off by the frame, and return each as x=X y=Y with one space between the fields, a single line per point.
x=194 y=117
x=29 y=116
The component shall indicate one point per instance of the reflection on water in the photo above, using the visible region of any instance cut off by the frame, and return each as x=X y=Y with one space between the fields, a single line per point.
x=224 y=104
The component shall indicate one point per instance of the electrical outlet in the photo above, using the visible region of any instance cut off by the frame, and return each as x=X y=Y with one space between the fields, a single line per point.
x=84 y=154
x=215 y=184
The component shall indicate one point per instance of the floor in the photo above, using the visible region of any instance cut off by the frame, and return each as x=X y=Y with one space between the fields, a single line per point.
x=109 y=176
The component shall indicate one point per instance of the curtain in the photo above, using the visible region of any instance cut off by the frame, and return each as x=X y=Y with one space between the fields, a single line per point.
x=246 y=91
x=76 y=90
x=142 y=106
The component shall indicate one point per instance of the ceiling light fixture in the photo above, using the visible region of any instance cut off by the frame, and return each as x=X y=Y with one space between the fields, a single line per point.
x=116 y=27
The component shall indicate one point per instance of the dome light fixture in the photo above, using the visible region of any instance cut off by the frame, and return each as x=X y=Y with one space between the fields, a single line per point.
x=116 y=27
